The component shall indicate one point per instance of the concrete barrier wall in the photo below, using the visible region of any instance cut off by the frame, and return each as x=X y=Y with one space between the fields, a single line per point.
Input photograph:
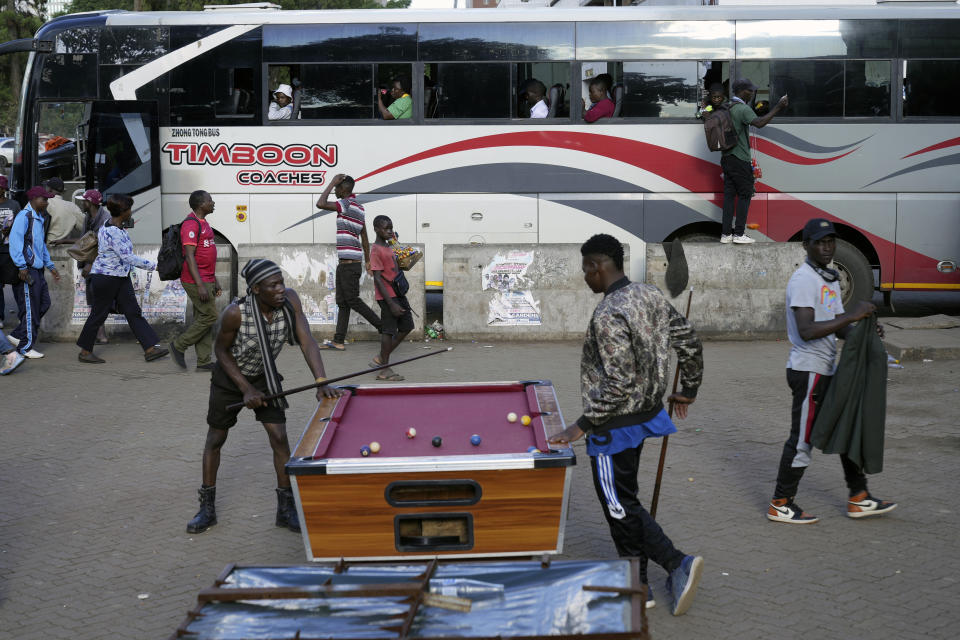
x=309 y=269
x=739 y=290
x=515 y=292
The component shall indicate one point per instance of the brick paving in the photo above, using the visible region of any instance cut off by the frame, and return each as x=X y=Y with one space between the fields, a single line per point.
x=99 y=467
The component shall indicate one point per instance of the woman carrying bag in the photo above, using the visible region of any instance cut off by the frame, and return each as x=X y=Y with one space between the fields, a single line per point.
x=110 y=284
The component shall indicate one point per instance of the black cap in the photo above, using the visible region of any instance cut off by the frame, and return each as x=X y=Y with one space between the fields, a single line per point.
x=55 y=183
x=743 y=83
x=818 y=228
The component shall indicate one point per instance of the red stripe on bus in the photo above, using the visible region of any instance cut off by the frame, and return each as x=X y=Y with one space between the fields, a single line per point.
x=940 y=145
x=775 y=151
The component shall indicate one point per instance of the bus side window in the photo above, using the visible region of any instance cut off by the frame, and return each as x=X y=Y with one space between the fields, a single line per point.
x=555 y=77
x=930 y=88
x=867 y=88
x=219 y=87
x=336 y=91
x=473 y=90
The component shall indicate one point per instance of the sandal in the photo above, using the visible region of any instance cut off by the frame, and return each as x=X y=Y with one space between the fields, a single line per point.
x=332 y=346
x=389 y=375
x=154 y=354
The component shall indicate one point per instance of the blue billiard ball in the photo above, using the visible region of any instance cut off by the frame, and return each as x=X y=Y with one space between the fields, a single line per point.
x=533 y=450
x=475 y=440
x=364 y=451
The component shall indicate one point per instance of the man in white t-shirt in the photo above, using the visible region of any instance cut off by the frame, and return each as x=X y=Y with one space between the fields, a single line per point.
x=535 y=94
x=815 y=317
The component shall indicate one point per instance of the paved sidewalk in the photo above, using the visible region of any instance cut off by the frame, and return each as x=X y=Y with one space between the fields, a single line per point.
x=99 y=467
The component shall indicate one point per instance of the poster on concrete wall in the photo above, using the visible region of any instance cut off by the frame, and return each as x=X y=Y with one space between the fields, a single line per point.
x=158 y=300
x=314 y=276
x=513 y=302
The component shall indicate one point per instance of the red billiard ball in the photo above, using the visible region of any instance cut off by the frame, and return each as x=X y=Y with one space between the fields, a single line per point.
x=411 y=433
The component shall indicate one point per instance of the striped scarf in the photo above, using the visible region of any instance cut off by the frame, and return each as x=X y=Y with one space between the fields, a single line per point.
x=255 y=272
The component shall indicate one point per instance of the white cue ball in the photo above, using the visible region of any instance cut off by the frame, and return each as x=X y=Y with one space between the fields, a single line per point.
x=375 y=447
x=511 y=417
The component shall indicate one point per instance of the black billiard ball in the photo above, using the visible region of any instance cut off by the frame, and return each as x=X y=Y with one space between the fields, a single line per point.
x=437 y=441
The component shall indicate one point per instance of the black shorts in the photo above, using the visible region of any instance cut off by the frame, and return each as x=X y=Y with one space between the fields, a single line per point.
x=392 y=324
x=224 y=392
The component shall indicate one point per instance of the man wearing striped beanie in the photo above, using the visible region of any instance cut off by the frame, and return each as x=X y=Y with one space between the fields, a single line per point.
x=253 y=329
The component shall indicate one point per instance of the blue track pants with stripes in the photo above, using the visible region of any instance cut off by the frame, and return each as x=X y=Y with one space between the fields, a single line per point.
x=33 y=301
x=634 y=531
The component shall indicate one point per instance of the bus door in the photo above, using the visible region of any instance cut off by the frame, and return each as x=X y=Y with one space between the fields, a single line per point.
x=123 y=156
x=475 y=218
x=928 y=242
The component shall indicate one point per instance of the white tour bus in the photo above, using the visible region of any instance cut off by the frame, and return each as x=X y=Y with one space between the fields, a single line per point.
x=158 y=104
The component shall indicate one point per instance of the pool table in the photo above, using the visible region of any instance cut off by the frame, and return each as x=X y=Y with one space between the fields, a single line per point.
x=507 y=495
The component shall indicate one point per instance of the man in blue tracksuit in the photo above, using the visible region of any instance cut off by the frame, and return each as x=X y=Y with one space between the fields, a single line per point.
x=28 y=250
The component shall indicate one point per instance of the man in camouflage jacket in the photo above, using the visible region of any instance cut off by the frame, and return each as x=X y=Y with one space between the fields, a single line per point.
x=623 y=376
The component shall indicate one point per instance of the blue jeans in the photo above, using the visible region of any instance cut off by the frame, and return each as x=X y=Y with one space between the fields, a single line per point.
x=5 y=345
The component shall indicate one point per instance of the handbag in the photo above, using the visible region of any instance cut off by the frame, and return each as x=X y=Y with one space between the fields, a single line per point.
x=85 y=248
x=400 y=284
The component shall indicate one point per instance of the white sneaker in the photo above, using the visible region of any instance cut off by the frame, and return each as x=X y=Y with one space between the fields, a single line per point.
x=743 y=240
x=10 y=362
x=33 y=354
x=14 y=341
x=727 y=239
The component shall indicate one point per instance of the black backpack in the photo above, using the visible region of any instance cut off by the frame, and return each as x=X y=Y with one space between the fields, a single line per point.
x=170 y=257
x=718 y=127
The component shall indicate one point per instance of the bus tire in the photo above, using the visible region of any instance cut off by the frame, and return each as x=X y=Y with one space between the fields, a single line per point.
x=856 y=275
x=697 y=236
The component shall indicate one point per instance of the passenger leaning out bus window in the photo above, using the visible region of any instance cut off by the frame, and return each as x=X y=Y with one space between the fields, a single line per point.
x=281 y=107
x=402 y=106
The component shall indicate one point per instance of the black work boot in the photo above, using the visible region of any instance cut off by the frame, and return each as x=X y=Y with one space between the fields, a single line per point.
x=207 y=516
x=287 y=510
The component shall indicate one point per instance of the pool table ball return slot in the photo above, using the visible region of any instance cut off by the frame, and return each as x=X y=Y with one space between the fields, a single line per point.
x=366 y=487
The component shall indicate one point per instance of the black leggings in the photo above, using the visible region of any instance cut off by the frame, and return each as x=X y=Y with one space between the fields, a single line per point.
x=108 y=290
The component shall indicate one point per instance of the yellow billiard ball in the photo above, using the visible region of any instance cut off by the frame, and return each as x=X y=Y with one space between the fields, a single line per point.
x=525 y=421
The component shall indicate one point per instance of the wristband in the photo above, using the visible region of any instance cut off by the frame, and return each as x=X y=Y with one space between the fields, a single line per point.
x=320 y=380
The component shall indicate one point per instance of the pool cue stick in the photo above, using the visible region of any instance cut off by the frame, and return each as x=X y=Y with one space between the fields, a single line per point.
x=316 y=385
x=666 y=439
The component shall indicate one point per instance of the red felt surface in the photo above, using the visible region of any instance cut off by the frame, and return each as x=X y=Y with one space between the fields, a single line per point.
x=453 y=413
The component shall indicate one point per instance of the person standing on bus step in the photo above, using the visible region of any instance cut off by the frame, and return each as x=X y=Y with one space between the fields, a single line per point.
x=29 y=253
x=737 y=172
x=111 y=285
x=394 y=308
x=623 y=378
x=602 y=106
x=353 y=251
x=66 y=219
x=252 y=332
x=95 y=216
x=199 y=280
x=815 y=317
x=281 y=107
x=535 y=93
x=402 y=106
